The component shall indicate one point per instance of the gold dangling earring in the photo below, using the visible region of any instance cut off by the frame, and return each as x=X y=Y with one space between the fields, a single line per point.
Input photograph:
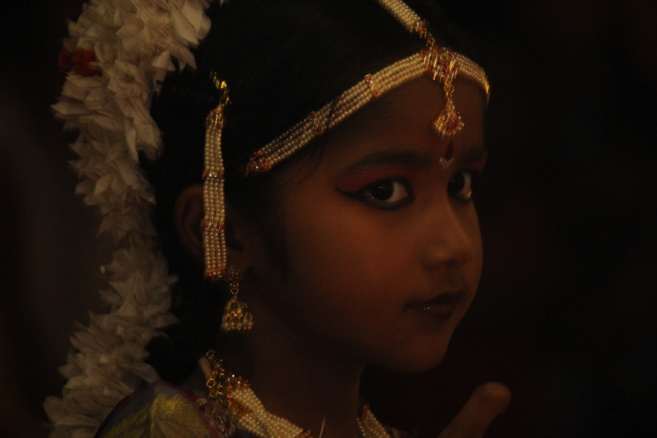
x=236 y=315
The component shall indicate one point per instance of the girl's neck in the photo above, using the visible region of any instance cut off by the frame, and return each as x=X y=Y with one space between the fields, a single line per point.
x=300 y=384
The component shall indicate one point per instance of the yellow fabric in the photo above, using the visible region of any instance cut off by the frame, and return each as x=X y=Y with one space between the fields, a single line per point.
x=166 y=416
x=163 y=410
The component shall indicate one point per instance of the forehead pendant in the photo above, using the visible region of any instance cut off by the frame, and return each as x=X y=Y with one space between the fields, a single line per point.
x=443 y=67
x=441 y=64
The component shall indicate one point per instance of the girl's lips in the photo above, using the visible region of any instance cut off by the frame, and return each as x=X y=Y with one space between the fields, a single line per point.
x=441 y=307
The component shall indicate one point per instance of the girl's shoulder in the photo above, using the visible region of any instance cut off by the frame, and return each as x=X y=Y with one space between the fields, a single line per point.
x=164 y=410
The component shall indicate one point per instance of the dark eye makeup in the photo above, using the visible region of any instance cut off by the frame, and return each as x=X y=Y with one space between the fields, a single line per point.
x=461 y=185
x=385 y=194
x=395 y=192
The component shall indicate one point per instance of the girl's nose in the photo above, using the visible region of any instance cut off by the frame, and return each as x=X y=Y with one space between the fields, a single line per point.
x=451 y=240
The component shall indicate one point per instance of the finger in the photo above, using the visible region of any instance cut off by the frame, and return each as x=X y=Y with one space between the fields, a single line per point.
x=487 y=402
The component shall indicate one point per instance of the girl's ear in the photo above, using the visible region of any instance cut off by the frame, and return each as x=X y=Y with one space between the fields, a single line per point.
x=241 y=237
x=188 y=220
x=188 y=216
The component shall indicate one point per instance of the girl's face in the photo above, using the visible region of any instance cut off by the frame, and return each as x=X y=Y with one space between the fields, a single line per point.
x=382 y=240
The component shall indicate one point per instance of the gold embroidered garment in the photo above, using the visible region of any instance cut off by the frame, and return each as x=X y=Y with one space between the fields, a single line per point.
x=163 y=410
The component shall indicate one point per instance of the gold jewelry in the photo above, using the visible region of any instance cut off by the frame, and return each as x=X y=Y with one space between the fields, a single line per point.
x=236 y=315
x=442 y=64
x=444 y=67
x=221 y=384
x=214 y=238
x=234 y=394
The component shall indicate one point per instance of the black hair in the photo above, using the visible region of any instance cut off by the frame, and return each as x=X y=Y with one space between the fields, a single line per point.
x=281 y=60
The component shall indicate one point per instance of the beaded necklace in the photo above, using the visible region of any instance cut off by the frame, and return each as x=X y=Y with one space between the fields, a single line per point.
x=234 y=395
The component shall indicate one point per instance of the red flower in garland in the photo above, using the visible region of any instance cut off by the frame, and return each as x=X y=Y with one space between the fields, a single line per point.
x=81 y=62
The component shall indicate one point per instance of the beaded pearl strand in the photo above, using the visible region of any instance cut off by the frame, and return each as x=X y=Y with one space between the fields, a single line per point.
x=235 y=394
x=214 y=241
x=372 y=87
x=442 y=65
x=252 y=416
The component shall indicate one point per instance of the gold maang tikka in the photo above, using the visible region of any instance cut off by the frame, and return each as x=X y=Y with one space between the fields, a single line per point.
x=442 y=65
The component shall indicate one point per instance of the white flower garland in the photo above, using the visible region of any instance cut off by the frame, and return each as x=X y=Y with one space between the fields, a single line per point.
x=133 y=42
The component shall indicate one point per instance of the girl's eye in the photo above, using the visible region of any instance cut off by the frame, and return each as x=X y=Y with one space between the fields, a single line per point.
x=460 y=185
x=386 y=194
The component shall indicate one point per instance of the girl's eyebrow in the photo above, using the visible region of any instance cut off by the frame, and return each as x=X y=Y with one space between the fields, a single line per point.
x=403 y=157
x=473 y=154
x=413 y=158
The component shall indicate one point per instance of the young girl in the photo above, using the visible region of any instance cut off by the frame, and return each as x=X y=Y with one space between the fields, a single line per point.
x=315 y=162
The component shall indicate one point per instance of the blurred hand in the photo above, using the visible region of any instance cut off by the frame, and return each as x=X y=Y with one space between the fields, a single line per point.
x=487 y=402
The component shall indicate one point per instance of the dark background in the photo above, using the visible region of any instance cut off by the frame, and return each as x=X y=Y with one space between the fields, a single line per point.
x=566 y=309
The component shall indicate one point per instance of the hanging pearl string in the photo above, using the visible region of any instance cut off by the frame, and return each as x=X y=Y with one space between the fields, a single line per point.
x=214 y=240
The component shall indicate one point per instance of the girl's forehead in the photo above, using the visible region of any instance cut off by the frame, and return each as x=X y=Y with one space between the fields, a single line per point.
x=399 y=111
x=403 y=119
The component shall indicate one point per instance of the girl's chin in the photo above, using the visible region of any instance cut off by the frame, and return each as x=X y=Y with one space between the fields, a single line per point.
x=416 y=362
